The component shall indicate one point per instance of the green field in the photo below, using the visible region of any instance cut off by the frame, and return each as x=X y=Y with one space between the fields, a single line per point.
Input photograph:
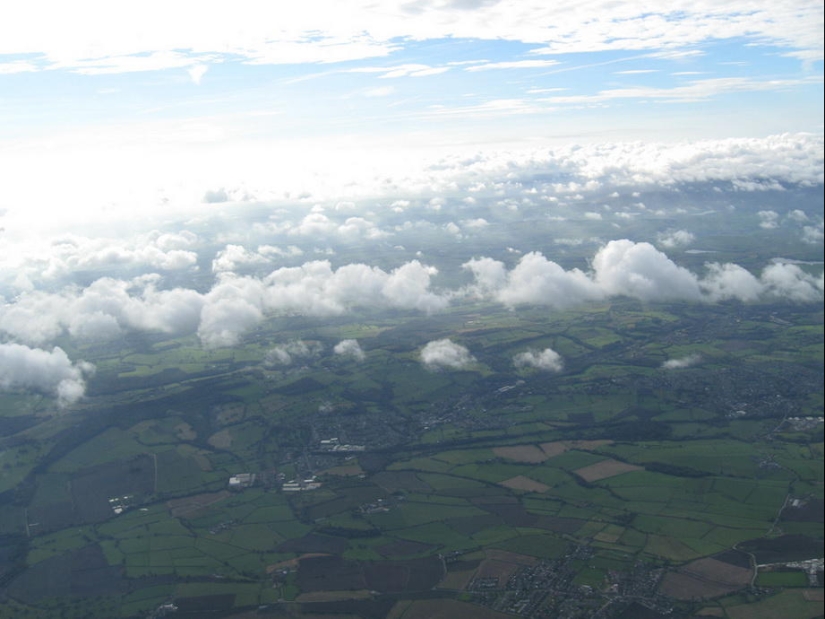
x=429 y=481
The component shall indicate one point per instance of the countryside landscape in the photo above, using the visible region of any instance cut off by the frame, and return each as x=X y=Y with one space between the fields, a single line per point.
x=412 y=309
x=664 y=461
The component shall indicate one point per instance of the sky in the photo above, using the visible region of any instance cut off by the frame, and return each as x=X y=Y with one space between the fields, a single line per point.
x=112 y=106
x=192 y=167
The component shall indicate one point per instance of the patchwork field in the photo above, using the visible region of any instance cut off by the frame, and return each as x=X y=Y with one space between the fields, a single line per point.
x=613 y=475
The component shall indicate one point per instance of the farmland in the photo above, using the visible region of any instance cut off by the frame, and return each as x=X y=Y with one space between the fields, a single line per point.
x=470 y=493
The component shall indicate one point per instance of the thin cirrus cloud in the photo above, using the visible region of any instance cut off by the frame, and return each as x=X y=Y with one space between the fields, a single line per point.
x=326 y=31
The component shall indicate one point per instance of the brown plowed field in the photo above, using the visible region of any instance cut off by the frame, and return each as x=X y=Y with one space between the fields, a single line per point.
x=191 y=504
x=605 y=469
x=521 y=453
x=520 y=482
x=704 y=578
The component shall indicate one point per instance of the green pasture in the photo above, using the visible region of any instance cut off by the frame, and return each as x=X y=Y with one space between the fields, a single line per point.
x=535 y=544
x=111 y=444
x=791 y=603
x=439 y=534
x=47 y=546
x=16 y=462
x=790 y=578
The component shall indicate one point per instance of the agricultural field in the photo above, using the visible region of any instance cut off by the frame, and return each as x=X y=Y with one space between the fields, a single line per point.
x=383 y=489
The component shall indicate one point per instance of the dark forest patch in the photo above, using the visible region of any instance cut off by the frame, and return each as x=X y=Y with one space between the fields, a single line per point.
x=13 y=425
x=330 y=573
x=402 y=547
x=784 y=548
x=366 y=609
x=392 y=481
x=313 y=543
x=301 y=386
x=333 y=573
x=811 y=510
x=82 y=573
x=470 y=525
x=734 y=557
x=205 y=603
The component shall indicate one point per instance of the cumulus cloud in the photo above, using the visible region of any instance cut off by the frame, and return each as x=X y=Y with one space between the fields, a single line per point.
x=547 y=359
x=51 y=372
x=350 y=348
x=768 y=219
x=236 y=304
x=534 y=280
x=642 y=271
x=791 y=283
x=682 y=362
x=290 y=352
x=233 y=257
x=109 y=307
x=47 y=261
x=813 y=235
x=730 y=281
x=446 y=354
x=106 y=308
x=625 y=268
x=291 y=251
x=675 y=238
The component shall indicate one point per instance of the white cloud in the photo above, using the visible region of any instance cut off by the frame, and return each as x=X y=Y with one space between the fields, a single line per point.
x=813 y=234
x=730 y=281
x=698 y=90
x=384 y=91
x=155 y=34
x=547 y=359
x=514 y=64
x=682 y=362
x=237 y=304
x=196 y=72
x=104 y=309
x=536 y=280
x=43 y=260
x=446 y=354
x=791 y=283
x=234 y=256
x=291 y=251
x=350 y=348
x=50 y=372
x=768 y=219
x=640 y=270
x=675 y=238
x=401 y=70
x=475 y=224
x=797 y=215
x=625 y=268
x=290 y=352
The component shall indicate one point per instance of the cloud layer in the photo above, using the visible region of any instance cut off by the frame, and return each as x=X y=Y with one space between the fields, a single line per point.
x=189 y=35
x=109 y=307
x=625 y=268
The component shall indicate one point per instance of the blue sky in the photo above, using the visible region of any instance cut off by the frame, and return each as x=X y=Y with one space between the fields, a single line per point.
x=104 y=100
x=191 y=167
